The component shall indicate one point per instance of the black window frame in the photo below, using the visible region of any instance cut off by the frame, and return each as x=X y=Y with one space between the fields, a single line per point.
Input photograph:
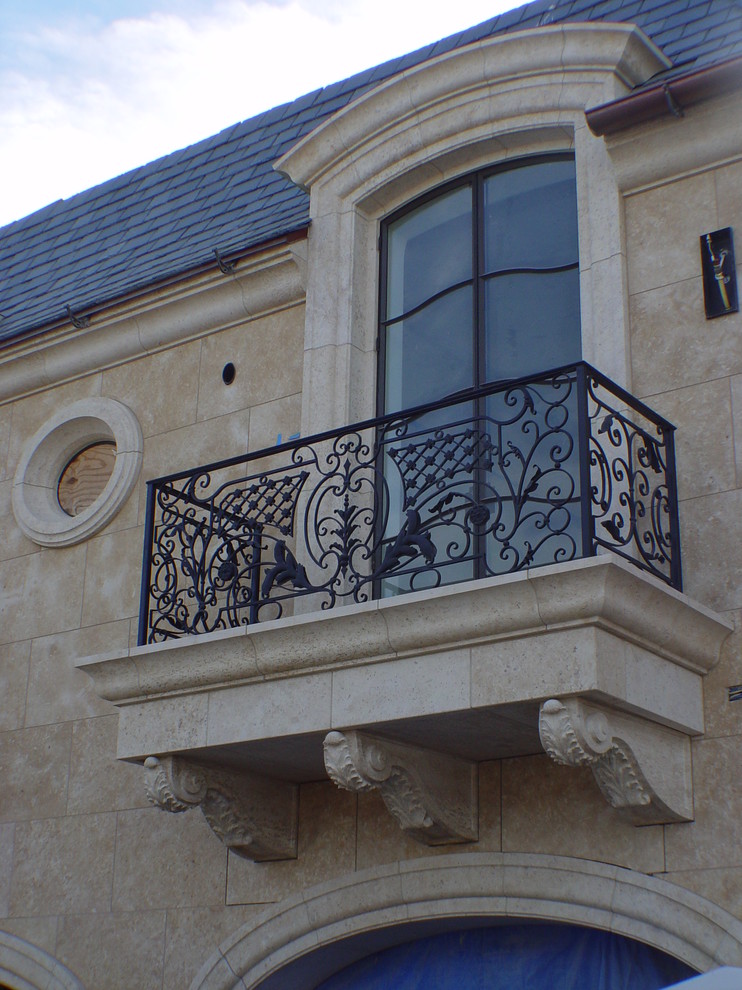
x=475 y=180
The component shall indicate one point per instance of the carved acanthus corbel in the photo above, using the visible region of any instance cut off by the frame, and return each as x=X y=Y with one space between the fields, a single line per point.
x=433 y=797
x=642 y=769
x=252 y=815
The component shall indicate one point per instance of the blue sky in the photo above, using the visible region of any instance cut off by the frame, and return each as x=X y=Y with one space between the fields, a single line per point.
x=92 y=88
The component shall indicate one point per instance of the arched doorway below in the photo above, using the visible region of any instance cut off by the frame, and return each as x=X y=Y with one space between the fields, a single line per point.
x=514 y=957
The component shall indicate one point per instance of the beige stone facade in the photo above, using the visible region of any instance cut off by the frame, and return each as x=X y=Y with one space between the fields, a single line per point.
x=101 y=890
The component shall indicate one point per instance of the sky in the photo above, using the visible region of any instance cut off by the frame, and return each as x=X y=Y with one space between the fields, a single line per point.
x=92 y=88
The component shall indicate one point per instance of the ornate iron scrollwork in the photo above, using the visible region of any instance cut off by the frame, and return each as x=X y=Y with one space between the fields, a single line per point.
x=530 y=473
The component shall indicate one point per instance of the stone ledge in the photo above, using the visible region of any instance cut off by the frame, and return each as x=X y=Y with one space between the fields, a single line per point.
x=470 y=664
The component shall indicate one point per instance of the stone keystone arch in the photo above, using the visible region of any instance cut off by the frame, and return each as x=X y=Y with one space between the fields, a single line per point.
x=307 y=937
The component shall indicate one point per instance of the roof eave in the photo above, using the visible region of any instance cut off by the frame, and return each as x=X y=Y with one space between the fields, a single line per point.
x=89 y=309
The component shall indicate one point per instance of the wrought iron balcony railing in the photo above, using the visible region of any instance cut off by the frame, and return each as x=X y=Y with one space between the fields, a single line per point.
x=496 y=480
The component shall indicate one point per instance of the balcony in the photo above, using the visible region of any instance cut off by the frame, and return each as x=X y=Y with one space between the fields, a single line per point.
x=493 y=482
x=392 y=603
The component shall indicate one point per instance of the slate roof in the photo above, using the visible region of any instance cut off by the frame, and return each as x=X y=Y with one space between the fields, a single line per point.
x=165 y=218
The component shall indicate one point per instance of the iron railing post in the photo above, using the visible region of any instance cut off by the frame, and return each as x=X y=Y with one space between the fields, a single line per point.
x=676 y=570
x=587 y=521
x=149 y=522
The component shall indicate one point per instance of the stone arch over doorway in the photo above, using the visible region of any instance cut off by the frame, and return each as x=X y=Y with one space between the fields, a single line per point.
x=23 y=966
x=305 y=938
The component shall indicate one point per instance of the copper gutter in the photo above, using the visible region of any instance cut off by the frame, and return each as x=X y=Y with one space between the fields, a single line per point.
x=666 y=96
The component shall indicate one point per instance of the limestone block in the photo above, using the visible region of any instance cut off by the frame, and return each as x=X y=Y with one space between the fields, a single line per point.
x=181 y=723
x=713 y=840
x=14 y=662
x=161 y=389
x=721 y=886
x=112 y=577
x=704 y=452
x=662 y=230
x=728 y=182
x=604 y=318
x=268 y=420
x=110 y=951
x=40 y=932
x=31 y=412
x=712 y=549
x=255 y=711
x=670 y=331
x=736 y=386
x=555 y=810
x=192 y=936
x=6 y=866
x=35 y=769
x=57 y=691
x=722 y=717
x=184 y=865
x=401 y=688
x=41 y=593
x=14 y=543
x=5 y=420
x=268 y=357
x=98 y=781
x=63 y=865
x=326 y=849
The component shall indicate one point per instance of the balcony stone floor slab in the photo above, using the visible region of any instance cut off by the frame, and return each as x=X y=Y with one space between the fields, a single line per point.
x=462 y=670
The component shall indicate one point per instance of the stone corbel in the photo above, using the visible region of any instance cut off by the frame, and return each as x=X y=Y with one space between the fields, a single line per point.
x=253 y=816
x=643 y=769
x=433 y=797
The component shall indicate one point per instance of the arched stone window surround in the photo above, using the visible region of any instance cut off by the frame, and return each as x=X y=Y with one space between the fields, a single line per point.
x=25 y=967
x=502 y=98
x=307 y=937
x=45 y=455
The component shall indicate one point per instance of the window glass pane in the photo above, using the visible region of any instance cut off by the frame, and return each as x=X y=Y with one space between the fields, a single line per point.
x=429 y=250
x=530 y=216
x=532 y=323
x=430 y=355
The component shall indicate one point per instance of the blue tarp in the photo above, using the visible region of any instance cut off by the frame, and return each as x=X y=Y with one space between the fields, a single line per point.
x=514 y=957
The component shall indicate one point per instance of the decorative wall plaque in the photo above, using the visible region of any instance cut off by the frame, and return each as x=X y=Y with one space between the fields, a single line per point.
x=719 y=273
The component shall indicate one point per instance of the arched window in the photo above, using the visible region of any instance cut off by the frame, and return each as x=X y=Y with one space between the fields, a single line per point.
x=480 y=282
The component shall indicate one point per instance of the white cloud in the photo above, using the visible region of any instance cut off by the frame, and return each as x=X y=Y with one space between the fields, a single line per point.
x=82 y=100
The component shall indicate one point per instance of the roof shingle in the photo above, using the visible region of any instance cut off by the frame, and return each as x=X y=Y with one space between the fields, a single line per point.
x=165 y=218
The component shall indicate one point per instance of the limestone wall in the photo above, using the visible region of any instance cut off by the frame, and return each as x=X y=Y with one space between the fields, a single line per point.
x=119 y=892
x=125 y=895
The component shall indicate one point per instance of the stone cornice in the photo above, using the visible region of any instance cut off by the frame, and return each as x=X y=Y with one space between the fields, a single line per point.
x=182 y=311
